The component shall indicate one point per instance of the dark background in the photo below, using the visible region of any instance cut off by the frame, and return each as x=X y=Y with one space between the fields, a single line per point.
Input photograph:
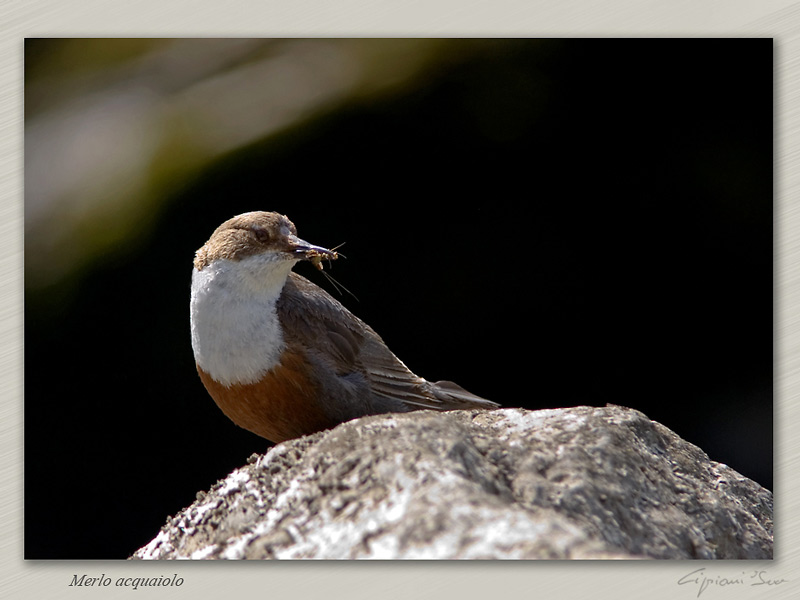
x=548 y=223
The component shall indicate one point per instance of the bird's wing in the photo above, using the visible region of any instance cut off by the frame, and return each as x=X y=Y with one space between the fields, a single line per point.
x=355 y=348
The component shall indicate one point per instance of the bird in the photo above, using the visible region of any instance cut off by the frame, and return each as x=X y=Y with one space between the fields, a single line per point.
x=279 y=355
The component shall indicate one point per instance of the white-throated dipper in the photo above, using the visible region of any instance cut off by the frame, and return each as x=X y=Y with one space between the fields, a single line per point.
x=278 y=354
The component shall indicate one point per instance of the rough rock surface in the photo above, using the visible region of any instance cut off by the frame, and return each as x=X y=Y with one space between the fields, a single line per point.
x=570 y=483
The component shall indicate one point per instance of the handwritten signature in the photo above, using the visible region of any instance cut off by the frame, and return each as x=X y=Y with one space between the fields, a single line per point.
x=704 y=581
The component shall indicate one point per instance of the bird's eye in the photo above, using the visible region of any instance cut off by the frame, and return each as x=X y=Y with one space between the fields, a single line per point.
x=262 y=235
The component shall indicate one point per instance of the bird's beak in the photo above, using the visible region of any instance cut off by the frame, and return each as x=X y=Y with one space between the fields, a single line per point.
x=305 y=251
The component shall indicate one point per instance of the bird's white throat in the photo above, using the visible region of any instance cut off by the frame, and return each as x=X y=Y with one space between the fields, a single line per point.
x=236 y=335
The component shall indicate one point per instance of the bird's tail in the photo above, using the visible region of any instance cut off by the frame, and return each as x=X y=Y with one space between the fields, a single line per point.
x=454 y=397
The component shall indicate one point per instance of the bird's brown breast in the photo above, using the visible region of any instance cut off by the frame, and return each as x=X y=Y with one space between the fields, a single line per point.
x=283 y=405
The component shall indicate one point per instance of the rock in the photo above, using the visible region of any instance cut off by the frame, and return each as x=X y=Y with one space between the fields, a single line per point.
x=551 y=484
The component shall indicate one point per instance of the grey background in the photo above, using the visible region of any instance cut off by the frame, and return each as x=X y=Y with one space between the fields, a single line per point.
x=397 y=580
